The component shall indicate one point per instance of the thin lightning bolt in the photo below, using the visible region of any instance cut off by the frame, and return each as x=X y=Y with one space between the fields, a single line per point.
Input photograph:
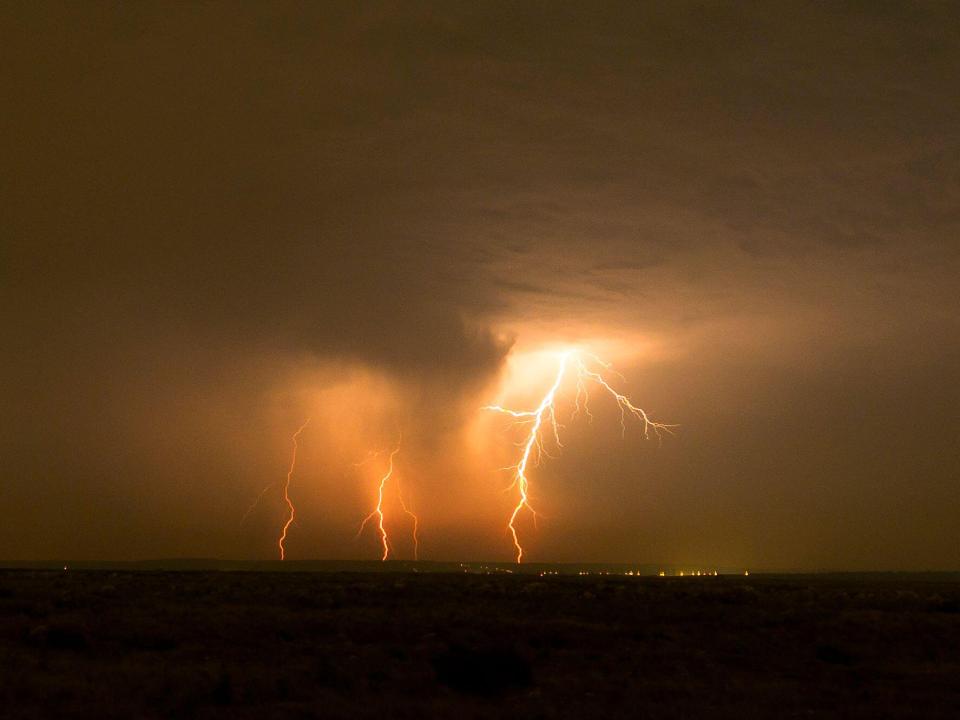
x=378 y=512
x=416 y=524
x=291 y=510
x=546 y=414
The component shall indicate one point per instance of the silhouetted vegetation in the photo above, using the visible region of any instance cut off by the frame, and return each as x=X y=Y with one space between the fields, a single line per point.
x=362 y=645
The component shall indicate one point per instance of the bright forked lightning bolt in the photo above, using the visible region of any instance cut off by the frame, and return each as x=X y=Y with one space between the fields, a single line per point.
x=546 y=414
x=378 y=512
x=536 y=418
x=622 y=401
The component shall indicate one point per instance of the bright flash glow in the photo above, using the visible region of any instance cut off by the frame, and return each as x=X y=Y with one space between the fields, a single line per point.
x=291 y=510
x=542 y=421
x=378 y=513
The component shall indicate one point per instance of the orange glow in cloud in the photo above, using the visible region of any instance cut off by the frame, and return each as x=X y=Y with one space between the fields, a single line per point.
x=541 y=388
x=542 y=421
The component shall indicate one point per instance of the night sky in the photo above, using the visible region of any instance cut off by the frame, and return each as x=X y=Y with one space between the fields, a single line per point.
x=221 y=219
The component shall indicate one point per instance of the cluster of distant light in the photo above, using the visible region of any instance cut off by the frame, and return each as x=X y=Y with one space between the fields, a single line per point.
x=662 y=573
x=636 y=573
x=540 y=422
x=498 y=570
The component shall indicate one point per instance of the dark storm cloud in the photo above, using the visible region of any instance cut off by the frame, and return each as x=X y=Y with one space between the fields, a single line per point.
x=197 y=194
x=213 y=176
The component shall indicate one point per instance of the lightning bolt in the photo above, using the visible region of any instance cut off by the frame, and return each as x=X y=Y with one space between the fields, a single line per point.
x=291 y=510
x=378 y=512
x=545 y=414
x=416 y=523
x=535 y=417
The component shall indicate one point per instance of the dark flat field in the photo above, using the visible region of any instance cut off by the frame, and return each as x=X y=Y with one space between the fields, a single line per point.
x=385 y=645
